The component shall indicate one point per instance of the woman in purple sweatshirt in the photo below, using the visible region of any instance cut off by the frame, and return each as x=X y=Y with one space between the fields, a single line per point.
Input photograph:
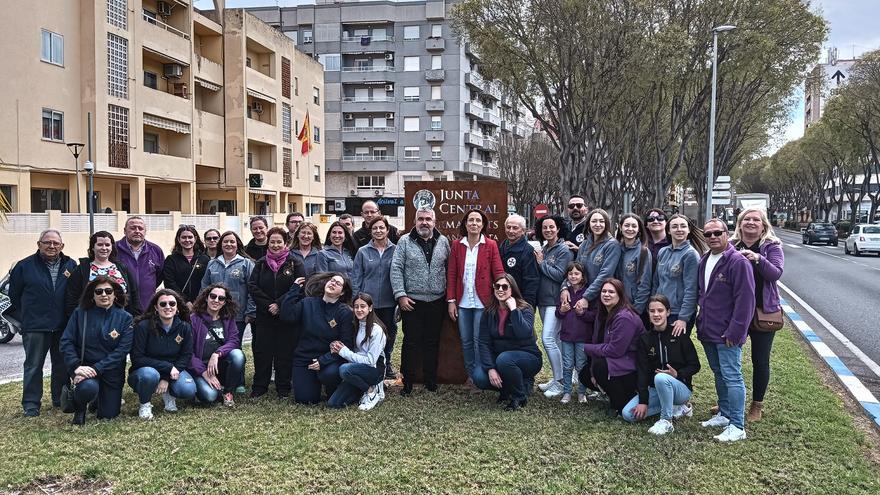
x=613 y=351
x=217 y=361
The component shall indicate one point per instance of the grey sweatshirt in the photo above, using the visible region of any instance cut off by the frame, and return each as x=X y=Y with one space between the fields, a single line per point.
x=412 y=276
x=677 y=278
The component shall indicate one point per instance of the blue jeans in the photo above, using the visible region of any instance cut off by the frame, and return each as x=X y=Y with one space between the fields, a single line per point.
x=145 y=380
x=106 y=388
x=36 y=346
x=517 y=370
x=573 y=358
x=550 y=326
x=307 y=383
x=356 y=379
x=666 y=392
x=469 y=330
x=229 y=370
x=726 y=365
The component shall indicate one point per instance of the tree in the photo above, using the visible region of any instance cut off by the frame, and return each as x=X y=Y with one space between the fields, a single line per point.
x=529 y=167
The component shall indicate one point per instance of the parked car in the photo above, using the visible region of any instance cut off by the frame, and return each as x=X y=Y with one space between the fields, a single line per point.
x=864 y=238
x=820 y=232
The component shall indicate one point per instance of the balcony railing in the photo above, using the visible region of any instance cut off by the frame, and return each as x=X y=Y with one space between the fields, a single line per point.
x=368 y=158
x=367 y=38
x=370 y=99
x=156 y=22
x=369 y=68
x=368 y=129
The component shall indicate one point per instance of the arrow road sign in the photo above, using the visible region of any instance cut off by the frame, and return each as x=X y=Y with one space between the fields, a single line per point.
x=838 y=76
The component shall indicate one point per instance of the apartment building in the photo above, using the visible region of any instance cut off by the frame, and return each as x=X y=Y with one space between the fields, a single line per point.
x=404 y=99
x=190 y=111
x=823 y=82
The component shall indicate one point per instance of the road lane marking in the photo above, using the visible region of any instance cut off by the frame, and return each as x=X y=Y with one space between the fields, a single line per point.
x=793 y=246
x=855 y=386
x=873 y=366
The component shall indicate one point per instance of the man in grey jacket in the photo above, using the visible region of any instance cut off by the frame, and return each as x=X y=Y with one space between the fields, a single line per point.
x=418 y=279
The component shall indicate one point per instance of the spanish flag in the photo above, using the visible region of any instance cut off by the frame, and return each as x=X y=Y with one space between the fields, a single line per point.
x=305 y=135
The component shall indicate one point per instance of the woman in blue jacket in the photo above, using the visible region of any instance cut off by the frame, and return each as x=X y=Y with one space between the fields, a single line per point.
x=217 y=361
x=324 y=317
x=95 y=343
x=161 y=353
x=338 y=253
x=553 y=260
x=509 y=356
x=677 y=273
x=600 y=255
x=305 y=245
x=635 y=266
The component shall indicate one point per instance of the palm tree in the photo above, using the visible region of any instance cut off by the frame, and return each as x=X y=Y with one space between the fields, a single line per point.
x=5 y=207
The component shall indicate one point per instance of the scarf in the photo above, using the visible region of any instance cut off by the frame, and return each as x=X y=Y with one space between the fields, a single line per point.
x=502 y=319
x=275 y=260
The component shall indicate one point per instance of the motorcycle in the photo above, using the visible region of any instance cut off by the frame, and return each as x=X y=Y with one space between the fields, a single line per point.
x=8 y=325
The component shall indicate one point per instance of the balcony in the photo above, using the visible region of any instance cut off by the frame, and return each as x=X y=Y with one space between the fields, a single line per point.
x=261 y=83
x=518 y=130
x=369 y=68
x=262 y=132
x=473 y=139
x=490 y=144
x=434 y=165
x=435 y=75
x=469 y=49
x=167 y=166
x=370 y=163
x=472 y=165
x=208 y=70
x=434 y=136
x=490 y=170
x=475 y=81
x=366 y=73
x=435 y=44
x=165 y=39
x=491 y=118
x=359 y=44
x=208 y=141
x=167 y=105
x=435 y=106
x=354 y=134
x=505 y=125
x=351 y=104
x=493 y=89
x=368 y=99
x=474 y=110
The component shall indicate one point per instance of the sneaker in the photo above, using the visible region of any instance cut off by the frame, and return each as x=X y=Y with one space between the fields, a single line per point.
x=716 y=421
x=146 y=411
x=582 y=398
x=375 y=397
x=170 y=402
x=31 y=413
x=544 y=386
x=365 y=397
x=381 y=386
x=228 y=401
x=554 y=390
x=594 y=395
x=241 y=389
x=566 y=398
x=731 y=434
x=682 y=411
x=661 y=427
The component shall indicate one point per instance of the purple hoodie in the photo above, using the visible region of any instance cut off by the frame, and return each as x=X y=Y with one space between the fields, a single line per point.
x=574 y=327
x=620 y=344
x=728 y=304
x=200 y=331
x=770 y=266
x=146 y=270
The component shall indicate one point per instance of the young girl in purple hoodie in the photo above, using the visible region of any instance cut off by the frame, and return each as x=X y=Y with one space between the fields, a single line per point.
x=574 y=332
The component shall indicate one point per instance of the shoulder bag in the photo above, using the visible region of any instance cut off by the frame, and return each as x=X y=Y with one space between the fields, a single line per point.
x=767 y=322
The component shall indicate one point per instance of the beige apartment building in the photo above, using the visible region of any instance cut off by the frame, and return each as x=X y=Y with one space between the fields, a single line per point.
x=191 y=111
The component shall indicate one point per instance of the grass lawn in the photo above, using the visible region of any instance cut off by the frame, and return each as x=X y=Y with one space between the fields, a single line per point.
x=453 y=442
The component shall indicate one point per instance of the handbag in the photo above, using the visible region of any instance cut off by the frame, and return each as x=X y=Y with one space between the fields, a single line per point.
x=68 y=405
x=767 y=322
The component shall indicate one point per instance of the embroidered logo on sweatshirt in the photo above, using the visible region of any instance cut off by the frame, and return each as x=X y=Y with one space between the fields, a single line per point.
x=114 y=334
x=721 y=278
x=511 y=262
x=676 y=269
x=178 y=339
x=598 y=259
x=579 y=239
x=236 y=273
x=631 y=267
x=66 y=274
x=652 y=352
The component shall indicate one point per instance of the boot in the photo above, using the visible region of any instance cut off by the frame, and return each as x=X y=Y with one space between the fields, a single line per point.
x=714 y=409
x=755 y=411
x=79 y=417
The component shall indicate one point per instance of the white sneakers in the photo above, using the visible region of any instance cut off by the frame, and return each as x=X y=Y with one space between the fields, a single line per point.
x=544 y=386
x=170 y=402
x=566 y=398
x=682 y=411
x=661 y=427
x=731 y=434
x=554 y=390
x=716 y=421
x=582 y=398
x=372 y=397
x=145 y=412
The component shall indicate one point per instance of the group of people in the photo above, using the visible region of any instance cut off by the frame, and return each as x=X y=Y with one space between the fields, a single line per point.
x=617 y=312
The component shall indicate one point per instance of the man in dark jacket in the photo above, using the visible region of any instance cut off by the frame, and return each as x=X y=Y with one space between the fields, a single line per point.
x=370 y=211
x=518 y=258
x=37 y=288
x=577 y=222
x=143 y=259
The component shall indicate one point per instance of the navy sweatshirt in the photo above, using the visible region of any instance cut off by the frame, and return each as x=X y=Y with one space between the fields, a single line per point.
x=108 y=338
x=321 y=323
x=519 y=260
x=156 y=348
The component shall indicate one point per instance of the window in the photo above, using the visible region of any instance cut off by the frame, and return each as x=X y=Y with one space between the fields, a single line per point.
x=286 y=161
x=411 y=178
x=437 y=30
x=247 y=62
x=250 y=159
x=52 y=48
x=410 y=124
x=380 y=153
x=317 y=134
x=117 y=66
x=297 y=168
x=316 y=96
x=53 y=125
x=411 y=153
x=292 y=35
x=410 y=64
x=330 y=61
x=436 y=122
x=371 y=182
x=436 y=62
x=117 y=13
x=436 y=152
x=117 y=132
x=362 y=151
x=410 y=32
x=151 y=80
x=307 y=36
x=285 y=77
x=295 y=86
x=411 y=93
x=435 y=93
x=327 y=32
x=285 y=123
x=151 y=142
x=8 y=192
x=48 y=199
x=317 y=173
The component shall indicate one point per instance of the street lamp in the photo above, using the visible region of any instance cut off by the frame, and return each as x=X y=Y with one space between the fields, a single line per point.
x=709 y=177
x=89 y=167
x=75 y=149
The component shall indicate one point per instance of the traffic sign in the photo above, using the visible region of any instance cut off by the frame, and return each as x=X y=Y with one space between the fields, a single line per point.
x=722 y=178
x=724 y=186
x=541 y=210
x=720 y=195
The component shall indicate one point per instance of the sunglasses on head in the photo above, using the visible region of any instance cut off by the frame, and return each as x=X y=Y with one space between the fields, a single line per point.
x=714 y=233
x=655 y=218
x=575 y=205
x=104 y=291
x=216 y=297
x=501 y=286
x=166 y=304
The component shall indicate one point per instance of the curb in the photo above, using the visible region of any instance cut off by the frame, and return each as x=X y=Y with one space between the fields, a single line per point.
x=856 y=388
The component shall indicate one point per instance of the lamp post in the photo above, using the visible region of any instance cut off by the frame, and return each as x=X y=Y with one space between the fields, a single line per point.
x=709 y=176
x=75 y=149
x=89 y=167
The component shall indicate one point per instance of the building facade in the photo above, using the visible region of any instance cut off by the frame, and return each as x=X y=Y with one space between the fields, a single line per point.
x=190 y=111
x=404 y=99
x=822 y=83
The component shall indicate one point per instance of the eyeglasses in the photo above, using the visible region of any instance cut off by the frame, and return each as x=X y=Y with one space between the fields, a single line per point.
x=714 y=233
x=335 y=281
x=501 y=287
x=216 y=297
x=212 y=238
x=51 y=243
x=655 y=218
x=167 y=304
x=104 y=291
x=575 y=205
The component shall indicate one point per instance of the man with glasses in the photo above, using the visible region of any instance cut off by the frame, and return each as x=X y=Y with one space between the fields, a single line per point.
x=293 y=221
x=37 y=288
x=655 y=222
x=727 y=304
x=369 y=212
x=145 y=261
x=577 y=221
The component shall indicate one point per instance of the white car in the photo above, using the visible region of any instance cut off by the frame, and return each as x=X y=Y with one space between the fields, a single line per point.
x=863 y=238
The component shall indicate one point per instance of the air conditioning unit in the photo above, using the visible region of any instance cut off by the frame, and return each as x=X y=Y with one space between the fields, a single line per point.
x=257 y=107
x=172 y=71
x=255 y=180
x=389 y=56
x=307 y=39
x=389 y=87
x=349 y=116
x=164 y=8
x=352 y=192
x=389 y=116
x=339 y=204
x=377 y=192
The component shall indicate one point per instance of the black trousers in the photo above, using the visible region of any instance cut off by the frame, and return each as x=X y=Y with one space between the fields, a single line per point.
x=387 y=317
x=421 y=338
x=273 y=345
x=620 y=389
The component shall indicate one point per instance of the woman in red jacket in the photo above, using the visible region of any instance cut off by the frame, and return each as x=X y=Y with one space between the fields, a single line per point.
x=474 y=263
